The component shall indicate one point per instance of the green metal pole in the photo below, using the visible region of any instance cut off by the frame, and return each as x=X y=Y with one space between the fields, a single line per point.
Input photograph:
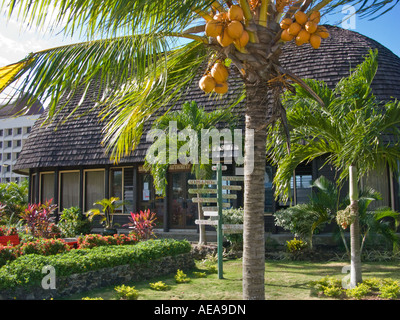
x=219 y=228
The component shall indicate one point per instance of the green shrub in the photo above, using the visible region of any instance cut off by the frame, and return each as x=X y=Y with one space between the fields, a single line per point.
x=96 y=240
x=27 y=269
x=159 y=286
x=73 y=222
x=234 y=216
x=332 y=291
x=95 y=298
x=295 y=245
x=389 y=289
x=7 y=253
x=358 y=292
x=45 y=247
x=127 y=293
x=200 y=274
x=181 y=277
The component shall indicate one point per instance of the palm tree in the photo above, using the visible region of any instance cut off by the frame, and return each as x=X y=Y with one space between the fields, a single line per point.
x=350 y=129
x=141 y=67
x=191 y=117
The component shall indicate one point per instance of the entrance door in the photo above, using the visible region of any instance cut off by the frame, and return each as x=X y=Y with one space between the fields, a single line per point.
x=182 y=211
x=149 y=199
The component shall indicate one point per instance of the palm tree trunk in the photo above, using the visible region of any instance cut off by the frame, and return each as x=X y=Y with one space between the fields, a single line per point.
x=202 y=227
x=254 y=194
x=355 y=270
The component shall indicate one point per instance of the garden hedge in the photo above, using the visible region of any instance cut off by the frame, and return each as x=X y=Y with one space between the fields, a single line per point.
x=27 y=270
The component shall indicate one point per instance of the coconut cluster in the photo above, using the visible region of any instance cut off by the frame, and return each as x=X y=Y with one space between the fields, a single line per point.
x=227 y=27
x=304 y=29
x=215 y=80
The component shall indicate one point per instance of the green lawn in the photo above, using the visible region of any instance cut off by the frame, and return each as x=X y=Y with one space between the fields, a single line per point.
x=284 y=280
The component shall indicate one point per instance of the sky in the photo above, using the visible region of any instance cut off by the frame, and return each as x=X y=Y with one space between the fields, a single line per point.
x=16 y=42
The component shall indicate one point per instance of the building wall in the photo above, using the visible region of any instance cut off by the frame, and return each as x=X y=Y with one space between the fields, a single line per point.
x=13 y=134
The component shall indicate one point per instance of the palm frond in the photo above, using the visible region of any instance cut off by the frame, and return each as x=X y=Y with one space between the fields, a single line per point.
x=107 y=18
x=160 y=87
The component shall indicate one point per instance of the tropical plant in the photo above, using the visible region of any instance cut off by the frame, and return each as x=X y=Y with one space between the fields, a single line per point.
x=191 y=119
x=349 y=129
x=14 y=198
x=40 y=220
x=109 y=208
x=139 y=68
x=72 y=222
x=142 y=224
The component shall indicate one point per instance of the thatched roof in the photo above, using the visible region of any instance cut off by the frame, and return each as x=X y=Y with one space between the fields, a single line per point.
x=78 y=141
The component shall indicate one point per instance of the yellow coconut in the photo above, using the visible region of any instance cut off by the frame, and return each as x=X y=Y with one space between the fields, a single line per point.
x=299 y=42
x=207 y=83
x=235 y=29
x=213 y=28
x=243 y=40
x=286 y=36
x=294 y=29
x=235 y=12
x=303 y=36
x=310 y=26
x=224 y=39
x=322 y=32
x=315 y=17
x=221 y=88
x=315 y=41
x=285 y=23
x=301 y=17
x=219 y=72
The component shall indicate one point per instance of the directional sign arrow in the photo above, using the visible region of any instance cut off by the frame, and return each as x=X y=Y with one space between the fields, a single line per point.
x=211 y=213
x=208 y=222
x=202 y=181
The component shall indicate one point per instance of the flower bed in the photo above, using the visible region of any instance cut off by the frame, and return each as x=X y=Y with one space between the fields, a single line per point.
x=26 y=271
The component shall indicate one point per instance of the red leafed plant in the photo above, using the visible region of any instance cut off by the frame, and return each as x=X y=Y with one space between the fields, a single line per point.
x=142 y=224
x=40 y=220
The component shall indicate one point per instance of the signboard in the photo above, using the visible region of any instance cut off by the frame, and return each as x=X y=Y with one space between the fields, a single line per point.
x=202 y=181
x=211 y=213
x=233 y=178
x=232 y=188
x=202 y=190
x=205 y=200
x=207 y=222
x=223 y=168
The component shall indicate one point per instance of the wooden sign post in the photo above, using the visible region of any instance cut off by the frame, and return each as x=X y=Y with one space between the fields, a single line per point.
x=216 y=211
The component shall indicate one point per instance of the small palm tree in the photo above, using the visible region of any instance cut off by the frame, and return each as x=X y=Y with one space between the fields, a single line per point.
x=109 y=207
x=192 y=117
x=350 y=129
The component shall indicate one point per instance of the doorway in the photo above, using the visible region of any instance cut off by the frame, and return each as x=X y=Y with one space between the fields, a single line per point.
x=182 y=211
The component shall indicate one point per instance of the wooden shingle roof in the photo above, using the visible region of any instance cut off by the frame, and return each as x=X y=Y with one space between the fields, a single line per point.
x=78 y=140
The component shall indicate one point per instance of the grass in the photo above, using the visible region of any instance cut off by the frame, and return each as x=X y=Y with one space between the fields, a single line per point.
x=286 y=280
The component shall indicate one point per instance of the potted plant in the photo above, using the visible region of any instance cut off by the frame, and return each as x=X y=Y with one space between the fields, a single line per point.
x=109 y=207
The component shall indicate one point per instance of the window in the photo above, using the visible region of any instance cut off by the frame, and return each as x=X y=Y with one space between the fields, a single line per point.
x=19 y=143
x=121 y=186
x=9 y=144
x=69 y=189
x=94 y=188
x=116 y=185
x=269 y=194
x=1 y=144
x=9 y=132
x=8 y=156
x=19 y=130
x=46 y=187
x=28 y=130
x=1 y=132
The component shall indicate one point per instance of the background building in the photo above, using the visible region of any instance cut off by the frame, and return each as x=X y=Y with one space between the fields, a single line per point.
x=15 y=127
